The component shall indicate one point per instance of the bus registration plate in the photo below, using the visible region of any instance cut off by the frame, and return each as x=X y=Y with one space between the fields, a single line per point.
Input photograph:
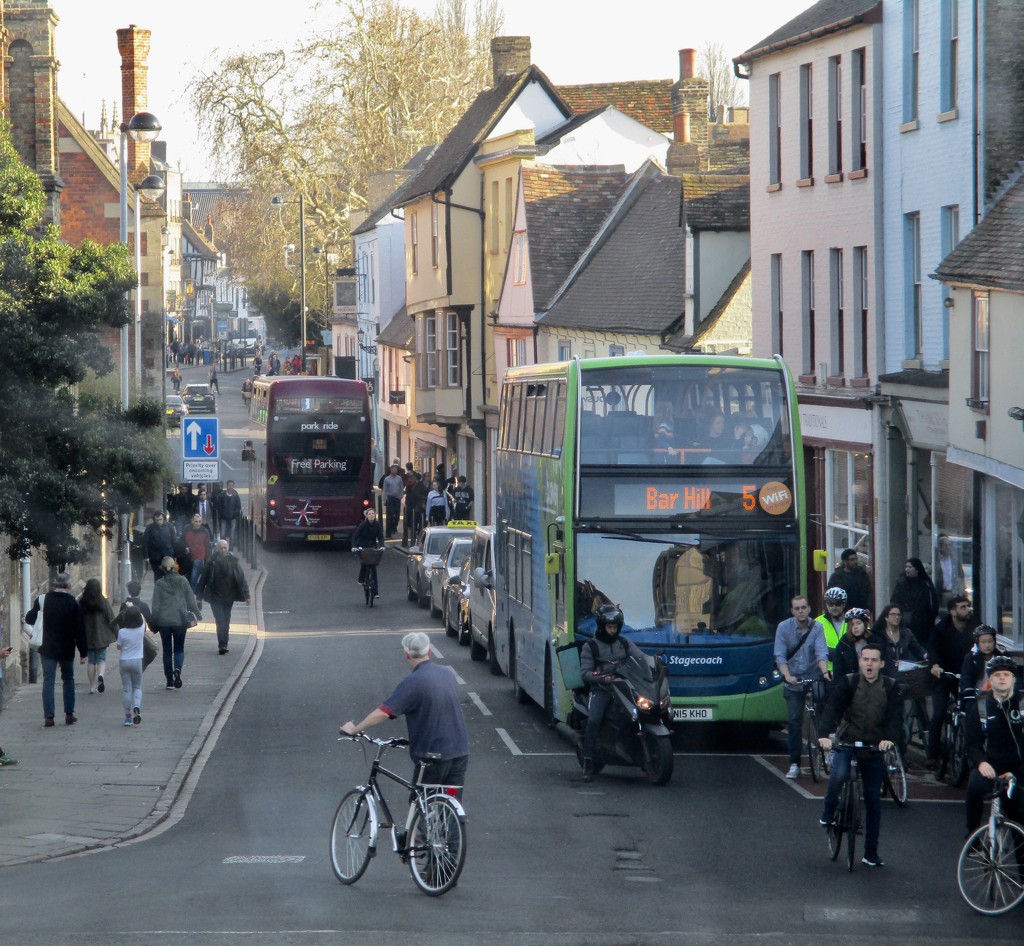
x=318 y=537
x=693 y=714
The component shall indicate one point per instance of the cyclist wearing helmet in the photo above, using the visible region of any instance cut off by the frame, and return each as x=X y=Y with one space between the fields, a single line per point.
x=973 y=673
x=601 y=658
x=950 y=642
x=832 y=621
x=857 y=622
x=995 y=739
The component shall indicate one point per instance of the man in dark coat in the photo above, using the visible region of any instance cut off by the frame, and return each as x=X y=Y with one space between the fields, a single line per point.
x=853 y=579
x=63 y=633
x=229 y=508
x=158 y=541
x=222 y=583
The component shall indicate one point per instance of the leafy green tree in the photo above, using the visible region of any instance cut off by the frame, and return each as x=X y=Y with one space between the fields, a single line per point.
x=70 y=459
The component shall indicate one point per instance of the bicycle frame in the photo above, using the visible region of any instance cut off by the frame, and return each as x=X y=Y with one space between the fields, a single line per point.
x=419 y=794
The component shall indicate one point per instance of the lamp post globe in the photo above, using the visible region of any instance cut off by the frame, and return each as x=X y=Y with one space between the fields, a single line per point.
x=144 y=126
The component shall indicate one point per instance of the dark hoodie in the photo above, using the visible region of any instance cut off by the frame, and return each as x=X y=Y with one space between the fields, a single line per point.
x=918 y=600
x=611 y=652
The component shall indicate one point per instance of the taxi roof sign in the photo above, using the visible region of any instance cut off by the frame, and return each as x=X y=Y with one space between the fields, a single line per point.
x=462 y=524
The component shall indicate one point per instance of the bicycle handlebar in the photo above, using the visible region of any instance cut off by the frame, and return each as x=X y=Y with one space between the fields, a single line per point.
x=397 y=742
x=863 y=746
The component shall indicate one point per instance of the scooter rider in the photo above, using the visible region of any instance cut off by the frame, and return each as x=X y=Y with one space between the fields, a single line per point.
x=600 y=661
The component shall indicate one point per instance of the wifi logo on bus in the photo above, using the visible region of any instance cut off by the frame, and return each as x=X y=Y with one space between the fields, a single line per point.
x=775 y=498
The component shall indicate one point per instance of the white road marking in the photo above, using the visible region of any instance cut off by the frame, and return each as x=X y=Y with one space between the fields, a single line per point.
x=458 y=679
x=507 y=739
x=266 y=859
x=437 y=653
x=480 y=704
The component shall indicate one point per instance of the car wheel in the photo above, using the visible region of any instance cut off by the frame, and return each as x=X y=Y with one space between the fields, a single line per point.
x=435 y=612
x=448 y=629
x=477 y=651
x=421 y=596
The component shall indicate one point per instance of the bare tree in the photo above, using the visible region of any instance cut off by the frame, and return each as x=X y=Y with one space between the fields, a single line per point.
x=360 y=96
x=716 y=67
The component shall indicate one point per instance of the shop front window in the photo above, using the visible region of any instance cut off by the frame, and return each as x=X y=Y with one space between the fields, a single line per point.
x=1007 y=578
x=848 y=504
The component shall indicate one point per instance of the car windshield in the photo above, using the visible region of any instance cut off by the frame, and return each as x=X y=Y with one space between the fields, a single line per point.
x=437 y=543
x=459 y=551
x=174 y=401
x=673 y=586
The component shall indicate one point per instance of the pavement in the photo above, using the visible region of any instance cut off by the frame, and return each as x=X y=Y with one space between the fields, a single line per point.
x=98 y=784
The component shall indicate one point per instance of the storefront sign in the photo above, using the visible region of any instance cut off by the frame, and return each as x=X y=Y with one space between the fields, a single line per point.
x=837 y=424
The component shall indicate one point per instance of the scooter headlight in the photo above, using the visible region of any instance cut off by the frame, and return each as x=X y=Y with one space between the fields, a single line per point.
x=644 y=704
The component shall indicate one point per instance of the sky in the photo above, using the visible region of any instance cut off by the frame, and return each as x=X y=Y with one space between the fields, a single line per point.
x=571 y=46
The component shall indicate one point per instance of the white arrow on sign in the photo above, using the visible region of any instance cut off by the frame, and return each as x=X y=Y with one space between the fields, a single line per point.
x=194 y=431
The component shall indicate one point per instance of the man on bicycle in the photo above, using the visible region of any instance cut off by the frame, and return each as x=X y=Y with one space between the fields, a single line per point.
x=368 y=535
x=428 y=698
x=995 y=740
x=833 y=620
x=800 y=651
x=864 y=707
x=950 y=641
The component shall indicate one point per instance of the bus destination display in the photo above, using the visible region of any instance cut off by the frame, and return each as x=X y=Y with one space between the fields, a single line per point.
x=694 y=497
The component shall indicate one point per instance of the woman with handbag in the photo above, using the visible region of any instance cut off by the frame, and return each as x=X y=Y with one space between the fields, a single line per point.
x=174 y=611
x=100 y=632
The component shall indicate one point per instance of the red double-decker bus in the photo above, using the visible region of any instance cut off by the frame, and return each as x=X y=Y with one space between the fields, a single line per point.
x=310 y=472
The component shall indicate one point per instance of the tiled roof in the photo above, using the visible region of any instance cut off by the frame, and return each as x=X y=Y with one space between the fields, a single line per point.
x=565 y=206
x=717 y=201
x=992 y=254
x=400 y=332
x=648 y=101
x=826 y=16
x=918 y=377
x=449 y=158
x=631 y=277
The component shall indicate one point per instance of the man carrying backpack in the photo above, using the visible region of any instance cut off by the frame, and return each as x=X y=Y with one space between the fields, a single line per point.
x=864 y=707
x=995 y=740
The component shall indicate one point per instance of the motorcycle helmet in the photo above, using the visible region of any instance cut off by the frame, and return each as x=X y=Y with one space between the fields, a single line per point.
x=860 y=613
x=982 y=629
x=609 y=614
x=1000 y=662
x=835 y=594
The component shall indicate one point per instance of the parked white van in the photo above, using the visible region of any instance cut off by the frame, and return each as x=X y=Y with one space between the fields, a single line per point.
x=481 y=598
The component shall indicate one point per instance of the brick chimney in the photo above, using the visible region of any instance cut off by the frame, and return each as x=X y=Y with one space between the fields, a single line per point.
x=509 y=55
x=690 y=96
x=133 y=45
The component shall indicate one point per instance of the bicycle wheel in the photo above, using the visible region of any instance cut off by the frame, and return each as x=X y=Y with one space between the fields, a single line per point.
x=855 y=821
x=811 y=744
x=838 y=825
x=958 y=754
x=353 y=837
x=990 y=872
x=895 y=777
x=437 y=846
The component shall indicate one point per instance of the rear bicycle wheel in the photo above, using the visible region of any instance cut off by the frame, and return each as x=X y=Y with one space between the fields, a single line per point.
x=810 y=735
x=437 y=846
x=855 y=820
x=353 y=837
x=990 y=872
x=895 y=777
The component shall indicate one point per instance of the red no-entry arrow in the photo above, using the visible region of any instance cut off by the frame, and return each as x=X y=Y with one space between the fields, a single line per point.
x=208 y=447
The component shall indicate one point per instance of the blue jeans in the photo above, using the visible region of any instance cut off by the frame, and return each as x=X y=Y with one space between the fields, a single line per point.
x=872 y=775
x=794 y=722
x=173 y=637
x=67 y=676
x=197 y=570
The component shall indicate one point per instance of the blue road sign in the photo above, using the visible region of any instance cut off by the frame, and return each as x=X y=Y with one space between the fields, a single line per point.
x=200 y=438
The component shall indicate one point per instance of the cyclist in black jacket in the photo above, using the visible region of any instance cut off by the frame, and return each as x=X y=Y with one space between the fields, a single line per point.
x=974 y=669
x=368 y=535
x=995 y=739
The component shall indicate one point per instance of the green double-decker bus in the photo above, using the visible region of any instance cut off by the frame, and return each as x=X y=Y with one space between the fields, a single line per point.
x=669 y=485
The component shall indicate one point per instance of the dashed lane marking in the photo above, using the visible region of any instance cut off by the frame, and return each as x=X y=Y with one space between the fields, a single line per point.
x=479 y=704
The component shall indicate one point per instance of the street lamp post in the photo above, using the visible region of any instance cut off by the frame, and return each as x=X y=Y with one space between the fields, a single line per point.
x=151 y=189
x=143 y=126
x=277 y=202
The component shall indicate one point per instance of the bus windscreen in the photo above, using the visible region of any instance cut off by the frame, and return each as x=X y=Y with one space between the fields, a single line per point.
x=313 y=438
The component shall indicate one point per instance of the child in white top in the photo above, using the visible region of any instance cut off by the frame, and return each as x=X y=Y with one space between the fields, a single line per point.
x=129 y=643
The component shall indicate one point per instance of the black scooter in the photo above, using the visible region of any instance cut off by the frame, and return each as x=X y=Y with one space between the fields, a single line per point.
x=636 y=730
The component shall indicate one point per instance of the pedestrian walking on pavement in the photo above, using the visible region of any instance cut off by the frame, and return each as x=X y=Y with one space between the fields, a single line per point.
x=129 y=642
x=198 y=540
x=63 y=633
x=173 y=605
x=5 y=652
x=99 y=632
x=214 y=382
x=158 y=541
x=222 y=583
x=229 y=508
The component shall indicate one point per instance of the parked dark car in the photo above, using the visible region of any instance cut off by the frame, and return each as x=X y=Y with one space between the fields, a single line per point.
x=199 y=399
x=175 y=409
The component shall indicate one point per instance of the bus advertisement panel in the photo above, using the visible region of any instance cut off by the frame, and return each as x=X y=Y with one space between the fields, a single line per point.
x=671 y=486
x=310 y=474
